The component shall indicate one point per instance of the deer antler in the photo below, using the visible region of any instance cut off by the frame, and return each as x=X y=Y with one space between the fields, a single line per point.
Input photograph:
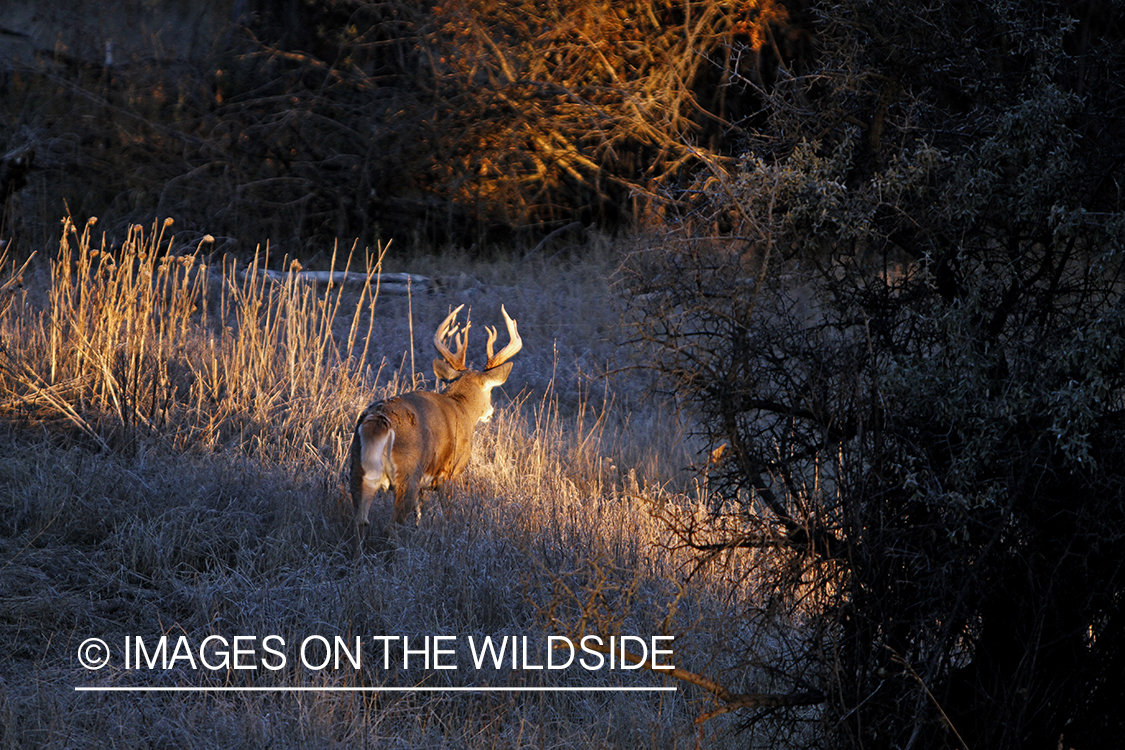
x=447 y=328
x=509 y=351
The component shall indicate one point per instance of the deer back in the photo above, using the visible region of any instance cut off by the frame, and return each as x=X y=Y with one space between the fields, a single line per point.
x=433 y=435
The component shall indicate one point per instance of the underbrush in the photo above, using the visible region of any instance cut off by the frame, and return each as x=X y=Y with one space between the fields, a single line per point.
x=172 y=447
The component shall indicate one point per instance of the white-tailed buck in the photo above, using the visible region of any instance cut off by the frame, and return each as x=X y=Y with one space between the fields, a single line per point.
x=425 y=438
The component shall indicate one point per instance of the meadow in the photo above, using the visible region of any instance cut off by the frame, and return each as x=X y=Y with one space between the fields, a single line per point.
x=174 y=435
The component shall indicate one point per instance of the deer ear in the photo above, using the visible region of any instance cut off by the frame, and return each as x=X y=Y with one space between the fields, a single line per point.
x=445 y=371
x=498 y=374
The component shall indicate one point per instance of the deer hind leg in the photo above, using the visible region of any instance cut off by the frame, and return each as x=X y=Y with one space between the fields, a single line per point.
x=373 y=469
x=439 y=489
x=406 y=502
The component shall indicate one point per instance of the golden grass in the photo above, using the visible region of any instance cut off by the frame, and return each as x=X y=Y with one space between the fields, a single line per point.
x=170 y=464
x=142 y=343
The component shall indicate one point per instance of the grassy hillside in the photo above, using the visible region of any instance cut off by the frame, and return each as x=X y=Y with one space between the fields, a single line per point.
x=172 y=449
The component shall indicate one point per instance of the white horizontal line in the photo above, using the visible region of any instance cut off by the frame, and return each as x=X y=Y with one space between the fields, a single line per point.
x=306 y=689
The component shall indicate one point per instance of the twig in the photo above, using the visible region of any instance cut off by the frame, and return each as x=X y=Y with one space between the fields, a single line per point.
x=732 y=701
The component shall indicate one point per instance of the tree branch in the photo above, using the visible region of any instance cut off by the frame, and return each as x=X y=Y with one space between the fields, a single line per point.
x=731 y=701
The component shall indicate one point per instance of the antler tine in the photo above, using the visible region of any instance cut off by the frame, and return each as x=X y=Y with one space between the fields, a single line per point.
x=447 y=328
x=509 y=351
x=491 y=341
x=463 y=342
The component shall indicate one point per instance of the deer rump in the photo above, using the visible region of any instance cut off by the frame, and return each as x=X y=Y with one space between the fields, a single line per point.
x=404 y=445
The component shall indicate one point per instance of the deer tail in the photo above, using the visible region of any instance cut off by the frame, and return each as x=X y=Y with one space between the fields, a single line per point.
x=376 y=440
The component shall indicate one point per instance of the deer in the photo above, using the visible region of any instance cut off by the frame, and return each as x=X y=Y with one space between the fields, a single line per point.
x=424 y=438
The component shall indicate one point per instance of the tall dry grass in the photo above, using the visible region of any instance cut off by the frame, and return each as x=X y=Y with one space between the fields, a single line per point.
x=170 y=463
x=143 y=343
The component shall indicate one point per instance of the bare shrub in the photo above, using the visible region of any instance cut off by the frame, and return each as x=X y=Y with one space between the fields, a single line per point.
x=901 y=349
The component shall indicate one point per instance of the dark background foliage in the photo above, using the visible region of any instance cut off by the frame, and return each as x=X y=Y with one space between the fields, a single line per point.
x=461 y=120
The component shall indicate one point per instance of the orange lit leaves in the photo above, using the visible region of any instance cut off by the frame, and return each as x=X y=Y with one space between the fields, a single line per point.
x=758 y=16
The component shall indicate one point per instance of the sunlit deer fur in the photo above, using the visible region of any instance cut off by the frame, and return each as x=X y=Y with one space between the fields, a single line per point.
x=424 y=438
